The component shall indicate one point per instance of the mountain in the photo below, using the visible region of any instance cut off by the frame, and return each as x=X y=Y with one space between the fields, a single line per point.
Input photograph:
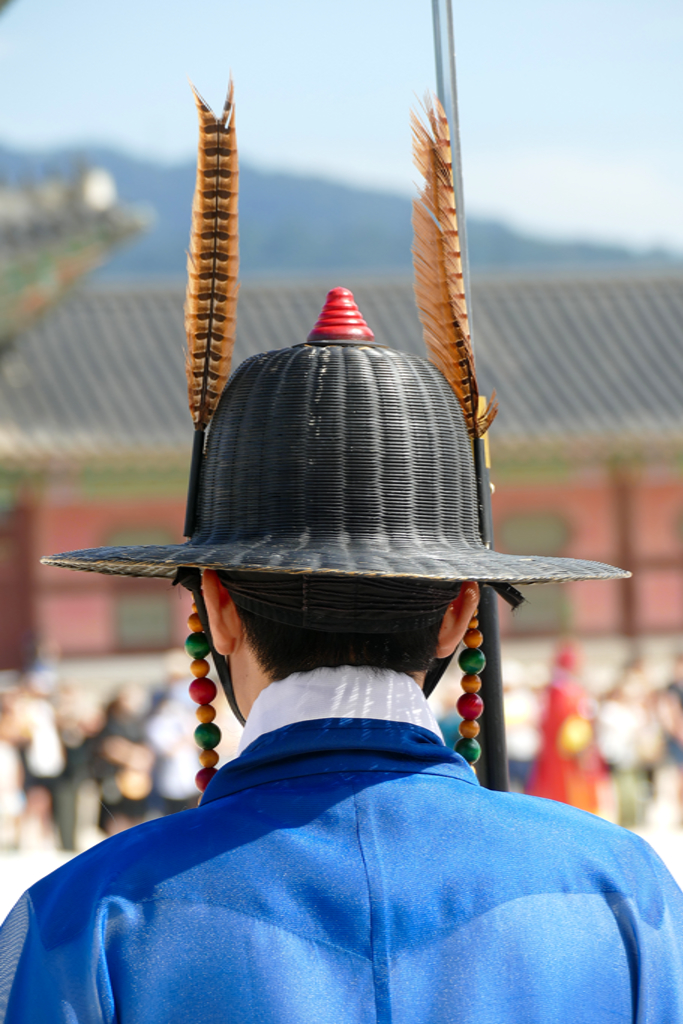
x=291 y=225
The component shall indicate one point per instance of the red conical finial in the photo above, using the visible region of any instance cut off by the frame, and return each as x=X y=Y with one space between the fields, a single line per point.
x=340 y=319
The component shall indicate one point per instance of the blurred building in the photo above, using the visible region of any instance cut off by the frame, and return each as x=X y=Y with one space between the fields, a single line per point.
x=587 y=449
x=52 y=232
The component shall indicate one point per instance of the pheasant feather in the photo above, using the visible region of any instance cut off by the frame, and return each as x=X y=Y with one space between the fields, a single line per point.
x=212 y=263
x=439 y=289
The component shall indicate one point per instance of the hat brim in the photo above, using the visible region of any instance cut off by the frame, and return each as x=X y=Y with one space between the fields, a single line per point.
x=333 y=556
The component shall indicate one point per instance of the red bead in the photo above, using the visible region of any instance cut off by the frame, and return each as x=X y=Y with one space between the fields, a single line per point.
x=470 y=706
x=203 y=778
x=202 y=691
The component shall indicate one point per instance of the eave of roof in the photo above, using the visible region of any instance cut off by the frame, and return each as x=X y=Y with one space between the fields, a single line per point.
x=578 y=363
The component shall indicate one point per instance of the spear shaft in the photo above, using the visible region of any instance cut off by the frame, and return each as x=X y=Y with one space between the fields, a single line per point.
x=447 y=91
x=492 y=768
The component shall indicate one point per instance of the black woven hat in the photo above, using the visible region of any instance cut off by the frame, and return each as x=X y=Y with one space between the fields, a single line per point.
x=339 y=458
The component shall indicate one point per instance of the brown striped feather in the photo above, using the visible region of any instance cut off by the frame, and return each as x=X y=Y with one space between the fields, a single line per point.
x=212 y=261
x=439 y=290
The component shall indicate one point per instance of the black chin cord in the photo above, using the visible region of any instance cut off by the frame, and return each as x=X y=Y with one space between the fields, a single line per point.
x=434 y=674
x=191 y=579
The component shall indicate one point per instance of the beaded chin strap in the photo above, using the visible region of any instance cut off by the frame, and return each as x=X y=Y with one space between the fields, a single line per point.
x=202 y=691
x=470 y=706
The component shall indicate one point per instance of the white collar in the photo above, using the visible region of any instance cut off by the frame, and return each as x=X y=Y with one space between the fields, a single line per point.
x=345 y=692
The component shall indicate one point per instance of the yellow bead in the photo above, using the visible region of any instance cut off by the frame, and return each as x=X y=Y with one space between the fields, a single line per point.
x=205 y=713
x=473 y=638
x=474 y=622
x=199 y=668
x=194 y=607
x=471 y=684
x=208 y=758
x=469 y=730
x=193 y=623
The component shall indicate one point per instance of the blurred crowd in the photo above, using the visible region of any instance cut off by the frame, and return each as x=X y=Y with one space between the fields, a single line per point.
x=619 y=755
x=75 y=768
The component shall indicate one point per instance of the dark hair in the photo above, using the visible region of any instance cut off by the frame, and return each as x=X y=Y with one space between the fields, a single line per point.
x=283 y=649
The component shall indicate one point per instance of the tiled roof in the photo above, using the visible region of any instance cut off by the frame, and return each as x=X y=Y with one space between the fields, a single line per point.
x=597 y=360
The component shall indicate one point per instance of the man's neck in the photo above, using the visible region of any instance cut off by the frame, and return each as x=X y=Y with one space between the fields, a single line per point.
x=345 y=692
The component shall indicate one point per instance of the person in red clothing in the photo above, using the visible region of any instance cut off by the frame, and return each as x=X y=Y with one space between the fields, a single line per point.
x=569 y=767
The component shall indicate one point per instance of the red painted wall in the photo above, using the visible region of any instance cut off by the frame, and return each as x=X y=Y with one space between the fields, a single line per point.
x=18 y=634
x=653 y=550
x=75 y=613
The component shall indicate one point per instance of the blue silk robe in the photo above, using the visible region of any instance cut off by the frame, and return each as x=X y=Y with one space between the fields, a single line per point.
x=352 y=872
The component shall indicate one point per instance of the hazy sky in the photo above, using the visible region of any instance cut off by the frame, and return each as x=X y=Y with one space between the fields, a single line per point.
x=571 y=109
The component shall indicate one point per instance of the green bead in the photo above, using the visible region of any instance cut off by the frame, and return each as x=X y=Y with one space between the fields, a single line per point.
x=469 y=749
x=207 y=736
x=472 y=661
x=197 y=646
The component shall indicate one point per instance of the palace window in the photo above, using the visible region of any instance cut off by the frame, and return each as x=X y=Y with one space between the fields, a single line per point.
x=143 y=621
x=142 y=615
x=129 y=537
x=547 y=608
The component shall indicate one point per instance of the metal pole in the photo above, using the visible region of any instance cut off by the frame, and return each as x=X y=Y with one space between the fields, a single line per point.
x=492 y=769
x=447 y=91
